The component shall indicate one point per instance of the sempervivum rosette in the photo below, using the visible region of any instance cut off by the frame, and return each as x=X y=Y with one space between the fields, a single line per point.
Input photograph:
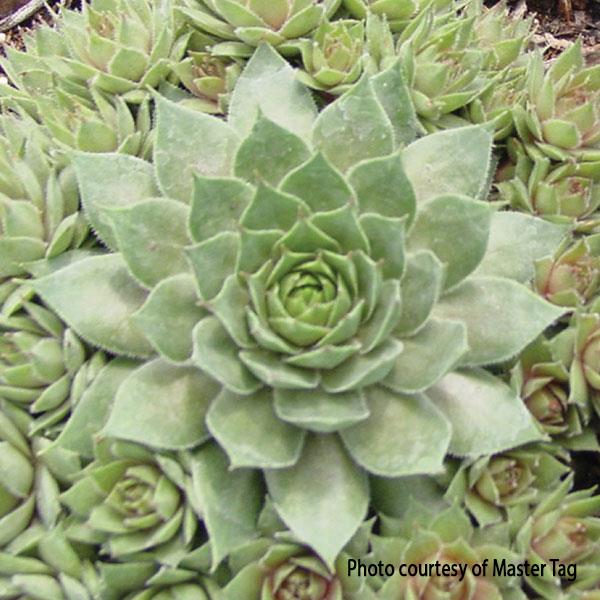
x=299 y=287
x=447 y=539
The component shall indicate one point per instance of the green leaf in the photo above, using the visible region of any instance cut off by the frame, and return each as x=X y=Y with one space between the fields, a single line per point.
x=239 y=424
x=216 y=353
x=91 y=412
x=151 y=236
x=501 y=316
x=217 y=205
x=428 y=356
x=213 y=261
x=456 y=230
x=421 y=287
x=268 y=85
x=404 y=435
x=111 y=180
x=387 y=239
x=169 y=315
x=317 y=410
x=319 y=184
x=487 y=415
x=394 y=96
x=162 y=406
x=189 y=142
x=516 y=242
x=382 y=187
x=354 y=128
x=230 y=524
x=324 y=498
x=270 y=369
x=456 y=161
x=269 y=153
x=97 y=297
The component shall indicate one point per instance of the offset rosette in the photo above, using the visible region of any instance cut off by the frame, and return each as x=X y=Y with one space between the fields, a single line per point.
x=562 y=117
x=301 y=289
x=449 y=540
x=244 y=24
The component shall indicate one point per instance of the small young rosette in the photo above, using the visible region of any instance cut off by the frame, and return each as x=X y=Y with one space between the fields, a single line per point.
x=565 y=192
x=563 y=535
x=132 y=502
x=43 y=365
x=543 y=381
x=280 y=568
x=39 y=201
x=428 y=543
x=562 y=117
x=244 y=24
x=505 y=486
x=301 y=287
x=333 y=58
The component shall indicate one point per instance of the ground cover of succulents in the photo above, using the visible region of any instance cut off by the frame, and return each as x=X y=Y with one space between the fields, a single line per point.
x=300 y=300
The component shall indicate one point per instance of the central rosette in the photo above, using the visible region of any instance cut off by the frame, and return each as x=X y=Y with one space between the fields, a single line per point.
x=307 y=301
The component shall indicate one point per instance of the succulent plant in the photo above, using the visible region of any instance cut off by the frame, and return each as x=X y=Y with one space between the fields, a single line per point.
x=543 y=381
x=333 y=57
x=43 y=365
x=562 y=118
x=121 y=47
x=572 y=276
x=396 y=12
x=578 y=348
x=505 y=486
x=245 y=24
x=563 y=534
x=35 y=473
x=444 y=66
x=132 y=501
x=560 y=192
x=269 y=568
x=423 y=540
x=495 y=104
x=314 y=300
x=502 y=35
x=39 y=201
x=210 y=79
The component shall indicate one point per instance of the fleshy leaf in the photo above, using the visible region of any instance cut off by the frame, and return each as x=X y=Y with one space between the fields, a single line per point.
x=382 y=187
x=189 y=142
x=428 y=356
x=169 y=315
x=97 y=297
x=317 y=410
x=269 y=153
x=151 y=236
x=354 y=128
x=516 y=241
x=487 y=415
x=501 y=316
x=269 y=85
x=456 y=230
x=394 y=95
x=421 y=287
x=240 y=425
x=215 y=353
x=319 y=184
x=230 y=524
x=125 y=180
x=456 y=161
x=217 y=205
x=91 y=412
x=162 y=406
x=337 y=492
x=404 y=435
